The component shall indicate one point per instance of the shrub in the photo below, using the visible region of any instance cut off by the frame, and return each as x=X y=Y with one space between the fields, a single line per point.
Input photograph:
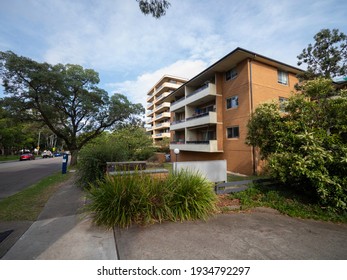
x=306 y=146
x=93 y=158
x=142 y=199
x=125 y=144
x=192 y=196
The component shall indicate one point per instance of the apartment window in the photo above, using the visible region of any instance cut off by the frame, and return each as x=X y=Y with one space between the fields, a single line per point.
x=283 y=103
x=232 y=102
x=233 y=132
x=282 y=77
x=231 y=74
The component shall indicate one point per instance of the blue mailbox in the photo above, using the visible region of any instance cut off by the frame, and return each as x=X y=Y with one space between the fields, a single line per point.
x=64 y=166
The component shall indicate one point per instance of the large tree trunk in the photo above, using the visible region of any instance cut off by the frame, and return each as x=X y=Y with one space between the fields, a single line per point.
x=73 y=161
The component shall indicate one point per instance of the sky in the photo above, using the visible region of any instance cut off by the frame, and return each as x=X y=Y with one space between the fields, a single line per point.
x=132 y=51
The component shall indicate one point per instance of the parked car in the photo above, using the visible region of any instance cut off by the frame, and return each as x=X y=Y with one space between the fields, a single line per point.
x=27 y=156
x=57 y=154
x=47 y=154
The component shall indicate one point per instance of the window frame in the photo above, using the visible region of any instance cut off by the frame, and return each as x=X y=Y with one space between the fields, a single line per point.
x=233 y=136
x=231 y=102
x=282 y=100
x=231 y=74
x=280 y=75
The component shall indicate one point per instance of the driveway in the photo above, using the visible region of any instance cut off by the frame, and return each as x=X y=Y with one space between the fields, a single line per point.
x=262 y=234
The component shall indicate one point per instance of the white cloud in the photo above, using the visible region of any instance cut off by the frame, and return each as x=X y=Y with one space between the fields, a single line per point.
x=127 y=48
x=136 y=90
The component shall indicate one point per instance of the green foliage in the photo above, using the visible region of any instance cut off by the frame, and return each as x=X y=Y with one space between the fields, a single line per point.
x=327 y=57
x=94 y=155
x=137 y=143
x=163 y=146
x=64 y=97
x=139 y=198
x=15 y=134
x=265 y=120
x=125 y=144
x=306 y=146
x=157 y=8
x=192 y=196
x=288 y=201
x=28 y=204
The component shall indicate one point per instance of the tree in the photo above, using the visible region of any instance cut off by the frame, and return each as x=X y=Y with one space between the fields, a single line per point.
x=14 y=134
x=306 y=146
x=64 y=97
x=138 y=144
x=128 y=142
x=327 y=57
x=157 y=8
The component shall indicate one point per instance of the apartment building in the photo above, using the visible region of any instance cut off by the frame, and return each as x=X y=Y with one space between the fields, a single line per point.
x=210 y=112
x=158 y=111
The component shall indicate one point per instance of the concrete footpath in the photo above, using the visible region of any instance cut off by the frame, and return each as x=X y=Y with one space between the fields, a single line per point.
x=63 y=233
x=60 y=233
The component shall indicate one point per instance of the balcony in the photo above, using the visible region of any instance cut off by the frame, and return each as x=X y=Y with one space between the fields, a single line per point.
x=163 y=95
x=150 y=105
x=177 y=104
x=162 y=135
x=167 y=85
x=209 y=146
x=162 y=107
x=163 y=115
x=207 y=92
x=150 y=97
x=149 y=128
x=178 y=125
x=201 y=119
x=162 y=125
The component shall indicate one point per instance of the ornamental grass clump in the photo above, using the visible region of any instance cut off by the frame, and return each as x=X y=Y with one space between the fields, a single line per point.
x=192 y=196
x=116 y=201
x=139 y=198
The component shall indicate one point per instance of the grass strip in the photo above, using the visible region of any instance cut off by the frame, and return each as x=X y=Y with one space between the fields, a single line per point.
x=28 y=204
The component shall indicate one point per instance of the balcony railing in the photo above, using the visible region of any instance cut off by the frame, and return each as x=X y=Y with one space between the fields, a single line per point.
x=198 y=116
x=197 y=120
x=176 y=122
x=166 y=124
x=199 y=142
x=198 y=90
x=177 y=101
x=208 y=146
x=178 y=125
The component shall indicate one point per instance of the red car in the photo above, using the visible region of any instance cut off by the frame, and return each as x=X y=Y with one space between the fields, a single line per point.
x=27 y=156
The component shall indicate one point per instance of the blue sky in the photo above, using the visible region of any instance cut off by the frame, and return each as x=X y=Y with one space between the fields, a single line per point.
x=131 y=51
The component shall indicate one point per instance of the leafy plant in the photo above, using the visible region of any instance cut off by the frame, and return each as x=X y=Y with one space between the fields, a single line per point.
x=142 y=199
x=305 y=146
x=93 y=158
x=287 y=200
x=192 y=196
x=125 y=144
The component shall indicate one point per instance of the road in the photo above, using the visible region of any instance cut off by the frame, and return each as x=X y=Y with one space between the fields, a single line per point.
x=18 y=175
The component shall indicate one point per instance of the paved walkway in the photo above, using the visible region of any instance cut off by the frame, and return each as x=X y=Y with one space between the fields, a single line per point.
x=60 y=233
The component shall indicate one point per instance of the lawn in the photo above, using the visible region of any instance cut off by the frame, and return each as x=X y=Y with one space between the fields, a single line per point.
x=28 y=204
x=8 y=158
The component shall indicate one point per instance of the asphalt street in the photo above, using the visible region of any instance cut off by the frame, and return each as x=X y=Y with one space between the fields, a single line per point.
x=18 y=175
